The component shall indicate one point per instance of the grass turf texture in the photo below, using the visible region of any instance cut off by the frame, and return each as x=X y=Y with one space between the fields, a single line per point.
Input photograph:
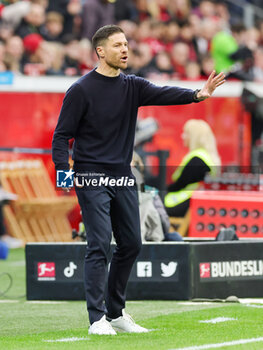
x=28 y=325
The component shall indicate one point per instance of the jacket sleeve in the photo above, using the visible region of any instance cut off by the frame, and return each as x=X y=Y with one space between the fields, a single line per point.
x=153 y=95
x=72 y=110
x=194 y=171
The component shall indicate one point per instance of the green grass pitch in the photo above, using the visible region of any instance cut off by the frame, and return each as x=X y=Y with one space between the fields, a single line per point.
x=175 y=325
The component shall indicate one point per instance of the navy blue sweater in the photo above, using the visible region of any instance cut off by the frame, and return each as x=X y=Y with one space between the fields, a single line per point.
x=100 y=113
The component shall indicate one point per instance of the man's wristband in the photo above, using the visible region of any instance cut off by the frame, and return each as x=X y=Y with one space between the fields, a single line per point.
x=196 y=99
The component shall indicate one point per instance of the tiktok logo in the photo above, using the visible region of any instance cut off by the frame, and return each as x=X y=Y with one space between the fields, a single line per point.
x=69 y=270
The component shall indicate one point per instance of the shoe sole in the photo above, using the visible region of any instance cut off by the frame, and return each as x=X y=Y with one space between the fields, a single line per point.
x=102 y=333
x=120 y=330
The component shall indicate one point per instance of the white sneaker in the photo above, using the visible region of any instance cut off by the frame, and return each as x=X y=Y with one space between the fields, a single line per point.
x=125 y=323
x=102 y=327
x=12 y=242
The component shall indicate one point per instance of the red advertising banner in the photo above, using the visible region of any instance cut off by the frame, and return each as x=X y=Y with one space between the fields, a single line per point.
x=28 y=119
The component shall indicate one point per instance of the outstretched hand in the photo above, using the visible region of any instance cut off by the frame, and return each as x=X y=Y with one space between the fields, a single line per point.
x=211 y=84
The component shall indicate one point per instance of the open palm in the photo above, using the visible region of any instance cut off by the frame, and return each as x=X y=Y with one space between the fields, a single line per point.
x=211 y=84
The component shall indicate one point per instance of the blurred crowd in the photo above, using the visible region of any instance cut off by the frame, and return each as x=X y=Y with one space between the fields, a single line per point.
x=168 y=39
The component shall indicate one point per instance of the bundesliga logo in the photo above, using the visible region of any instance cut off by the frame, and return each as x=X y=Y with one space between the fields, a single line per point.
x=46 y=271
x=204 y=270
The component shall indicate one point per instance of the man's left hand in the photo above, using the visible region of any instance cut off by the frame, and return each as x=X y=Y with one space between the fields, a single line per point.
x=211 y=84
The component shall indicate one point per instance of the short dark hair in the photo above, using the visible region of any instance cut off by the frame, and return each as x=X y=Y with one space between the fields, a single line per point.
x=104 y=33
x=238 y=28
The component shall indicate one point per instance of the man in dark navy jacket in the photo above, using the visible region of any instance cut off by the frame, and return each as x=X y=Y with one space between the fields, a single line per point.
x=99 y=111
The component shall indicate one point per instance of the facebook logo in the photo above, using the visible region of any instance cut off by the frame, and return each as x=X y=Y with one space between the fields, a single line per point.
x=65 y=178
x=144 y=269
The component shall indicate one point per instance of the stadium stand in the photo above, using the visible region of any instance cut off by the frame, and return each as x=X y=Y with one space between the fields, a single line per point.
x=55 y=36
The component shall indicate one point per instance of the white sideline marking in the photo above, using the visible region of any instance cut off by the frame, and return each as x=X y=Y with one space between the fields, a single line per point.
x=190 y=303
x=9 y=301
x=45 y=302
x=135 y=302
x=254 y=305
x=65 y=340
x=218 y=320
x=221 y=345
x=18 y=263
x=251 y=301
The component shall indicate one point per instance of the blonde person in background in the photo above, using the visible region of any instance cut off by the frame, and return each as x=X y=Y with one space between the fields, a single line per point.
x=203 y=158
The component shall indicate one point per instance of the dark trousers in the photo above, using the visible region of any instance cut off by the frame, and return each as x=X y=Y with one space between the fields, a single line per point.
x=106 y=209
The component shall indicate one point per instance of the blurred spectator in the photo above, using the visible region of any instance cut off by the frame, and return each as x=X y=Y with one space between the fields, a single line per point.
x=155 y=223
x=72 y=55
x=180 y=56
x=134 y=63
x=179 y=10
x=258 y=66
x=14 y=51
x=6 y=31
x=2 y=50
x=125 y=10
x=243 y=56
x=151 y=27
x=144 y=12
x=95 y=14
x=32 y=43
x=143 y=31
x=195 y=23
x=85 y=60
x=206 y=9
x=260 y=27
x=74 y=9
x=223 y=15
x=171 y=32
x=201 y=159
x=46 y=59
x=252 y=38
x=192 y=71
x=53 y=27
x=43 y=3
x=144 y=58
x=208 y=29
x=129 y=29
x=224 y=45
x=140 y=60
x=51 y=55
x=161 y=67
x=155 y=39
x=13 y=13
x=3 y=67
x=187 y=36
x=33 y=22
x=159 y=10
x=207 y=66
x=70 y=10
